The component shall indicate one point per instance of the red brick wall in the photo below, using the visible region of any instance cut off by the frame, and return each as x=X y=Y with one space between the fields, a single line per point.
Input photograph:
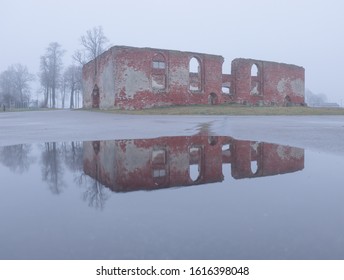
x=129 y=165
x=134 y=78
x=127 y=79
x=275 y=81
x=270 y=159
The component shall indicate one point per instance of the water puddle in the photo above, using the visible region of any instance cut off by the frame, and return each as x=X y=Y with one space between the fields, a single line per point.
x=183 y=197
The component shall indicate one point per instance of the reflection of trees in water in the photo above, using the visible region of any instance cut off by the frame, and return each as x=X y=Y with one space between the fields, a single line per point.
x=96 y=194
x=55 y=157
x=17 y=158
x=52 y=170
x=73 y=155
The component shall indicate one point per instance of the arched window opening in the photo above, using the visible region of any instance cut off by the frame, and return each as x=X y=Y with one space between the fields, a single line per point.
x=226 y=158
x=95 y=97
x=254 y=157
x=194 y=163
x=194 y=65
x=212 y=99
x=159 y=61
x=254 y=70
x=96 y=146
x=287 y=101
x=194 y=172
x=195 y=74
x=158 y=72
x=254 y=166
x=255 y=80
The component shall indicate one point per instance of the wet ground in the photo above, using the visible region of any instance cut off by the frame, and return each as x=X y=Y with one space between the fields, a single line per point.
x=325 y=133
x=84 y=185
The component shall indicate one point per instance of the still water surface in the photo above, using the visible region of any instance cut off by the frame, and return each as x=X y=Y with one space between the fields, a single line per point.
x=184 y=197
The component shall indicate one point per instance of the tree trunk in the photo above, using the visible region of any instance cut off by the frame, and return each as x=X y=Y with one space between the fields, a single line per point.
x=53 y=96
x=46 y=97
x=72 y=98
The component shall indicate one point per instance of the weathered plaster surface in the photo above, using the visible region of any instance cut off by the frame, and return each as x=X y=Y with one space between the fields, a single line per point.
x=106 y=84
x=298 y=87
x=179 y=76
x=134 y=81
x=282 y=85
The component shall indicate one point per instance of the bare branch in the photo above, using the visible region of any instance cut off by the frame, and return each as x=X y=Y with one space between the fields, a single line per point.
x=94 y=42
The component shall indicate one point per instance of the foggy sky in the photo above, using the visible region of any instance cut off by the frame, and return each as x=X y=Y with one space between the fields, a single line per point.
x=307 y=33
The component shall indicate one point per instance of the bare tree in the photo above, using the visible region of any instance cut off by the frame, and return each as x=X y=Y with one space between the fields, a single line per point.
x=80 y=57
x=72 y=153
x=96 y=194
x=52 y=168
x=7 y=89
x=44 y=77
x=93 y=45
x=72 y=78
x=15 y=84
x=51 y=66
x=63 y=89
x=17 y=157
x=314 y=99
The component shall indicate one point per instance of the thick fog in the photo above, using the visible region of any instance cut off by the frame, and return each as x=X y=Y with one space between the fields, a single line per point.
x=306 y=33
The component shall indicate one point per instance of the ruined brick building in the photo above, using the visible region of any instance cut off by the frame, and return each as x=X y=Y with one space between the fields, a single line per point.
x=164 y=162
x=133 y=78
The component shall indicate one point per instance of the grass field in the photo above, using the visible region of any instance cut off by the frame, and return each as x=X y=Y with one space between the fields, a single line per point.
x=230 y=110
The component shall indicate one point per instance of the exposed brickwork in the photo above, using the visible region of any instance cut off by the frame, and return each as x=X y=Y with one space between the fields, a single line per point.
x=133 y=78
x=274 y=84
x=146 y=164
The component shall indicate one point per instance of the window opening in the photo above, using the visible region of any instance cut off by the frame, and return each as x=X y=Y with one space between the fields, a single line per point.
x=254 y=70
x=194 y=163
x=194 y=66
x=194 y=75
x=254 y=166
x=157 y=173
x=159 y=64
x=226 y=89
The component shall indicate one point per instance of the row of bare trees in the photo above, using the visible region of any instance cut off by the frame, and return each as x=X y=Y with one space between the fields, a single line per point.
x=15 y=84
x=56 y=160
x=56 y=81
x=68 y=81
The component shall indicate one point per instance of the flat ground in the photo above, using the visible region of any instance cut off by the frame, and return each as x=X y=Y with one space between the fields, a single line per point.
x=320 y=133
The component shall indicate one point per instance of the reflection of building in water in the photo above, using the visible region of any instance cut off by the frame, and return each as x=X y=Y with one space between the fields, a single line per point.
x=145 y=164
